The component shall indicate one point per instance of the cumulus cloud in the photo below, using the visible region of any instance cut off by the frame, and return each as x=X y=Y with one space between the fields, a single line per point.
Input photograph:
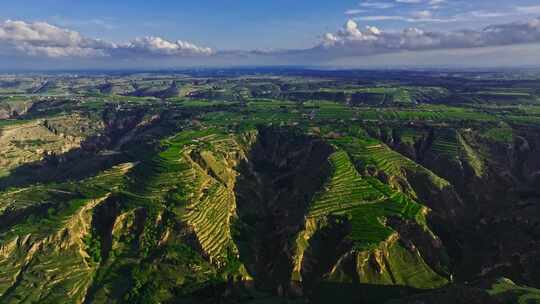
x=161 y=47
x=43 y=39
x=370 y=40
x=46 y=40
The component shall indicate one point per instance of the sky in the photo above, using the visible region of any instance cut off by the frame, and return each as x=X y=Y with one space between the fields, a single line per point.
x=77 y=34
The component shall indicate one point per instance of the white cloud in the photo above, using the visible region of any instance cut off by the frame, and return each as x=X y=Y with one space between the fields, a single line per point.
x=425 y=14
x=353 y=40
x=486 y=14
x=377 y=5
x=437 y=2
x=161 y=47
x=419 y=16
x=41 y=39
x=535 y=9
x=354 y=11
x=409 y=1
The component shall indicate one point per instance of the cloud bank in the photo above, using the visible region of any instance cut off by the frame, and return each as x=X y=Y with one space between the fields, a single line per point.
x=37 y=39
x=156 y=46
x=43 y=39
x=39 y=43
x=371 y=40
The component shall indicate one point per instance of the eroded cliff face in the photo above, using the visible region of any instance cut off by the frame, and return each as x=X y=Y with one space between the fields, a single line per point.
x=67 y=266
x=51 y=261
x=277 y=181
x=508 y=204
x=495 y=228
x=296 y=228
x=409 y=256
x=35 y=141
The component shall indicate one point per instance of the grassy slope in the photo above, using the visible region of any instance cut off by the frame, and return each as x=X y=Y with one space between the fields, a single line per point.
x=366 y=203
x=45 y=256
x=508 y=289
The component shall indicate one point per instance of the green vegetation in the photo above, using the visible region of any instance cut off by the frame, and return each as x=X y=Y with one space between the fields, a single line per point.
x=93 y=246
x=366 y=202
x=65 y=200
x=446 y=143
x=163 y=188
x=345 y=190
x=368 y=227
x=522 y=295
x=502 y=133
x=401 y=267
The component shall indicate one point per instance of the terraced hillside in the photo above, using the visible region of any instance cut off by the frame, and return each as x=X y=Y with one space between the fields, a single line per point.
x=47 y=256
x=290 y=212
x=133 y=189
x=99 y=232
x=31 y=141
x=376 y=159
x=371 y=251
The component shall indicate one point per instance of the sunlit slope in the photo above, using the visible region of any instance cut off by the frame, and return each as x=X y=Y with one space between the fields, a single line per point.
x=363 y=205
x=168 y=225
x=374 y=158
x=45 y=257
x=202 y=165
x=27 y=141
x=134 y=212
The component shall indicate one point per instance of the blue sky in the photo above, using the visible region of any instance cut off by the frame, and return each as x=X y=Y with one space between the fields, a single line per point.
x=288 y=31
x=236 y=24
